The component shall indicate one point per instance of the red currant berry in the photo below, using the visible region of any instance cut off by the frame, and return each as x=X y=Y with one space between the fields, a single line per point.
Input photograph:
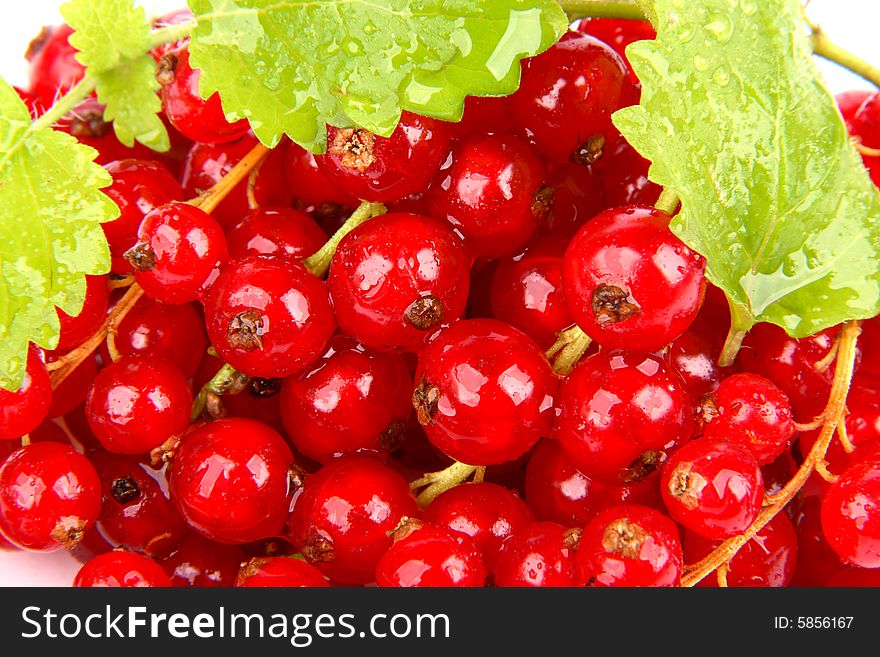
x=539 y=555
x=488 y=513
x=178 y=252
x=617 y=33
x=310 y=187
x=629 y=282
x=233 y=480
x=797 y=366
x=277 y=231
x=855 y=578
x=557 y=492
x=397 y=277
x=492 y=190
x=290 y=572
x=851 y=515
x=75 y=330
x=201 y=563
x=23 y=410
x=197 y=119
x=694 y=355
x=849 y=103
x=352 y=399
x=620 y=416
x=629 y=546
x=139 y=187
x=712 y=487
x=71 y=392
x=268 y=316
x=54 y=68
x=121 y=570
x=527 y=292
x=172 y=333
x=206 y=164
x=863 y=127
x=429 y=557
x=484 y=114
x=567 y=96
x=49 y=495
x=816 y=561
x=342 y=520
x=375 y=168
x=577 y=198
x=767 y=560
x=623 y=174
x=484 y=392
x=137 y=514
x=136 y=404
x=749 y=411
x=869 y=343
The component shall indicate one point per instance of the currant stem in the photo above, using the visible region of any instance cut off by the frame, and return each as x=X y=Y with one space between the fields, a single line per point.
x=62 y=368
x=602 y=9
x=65 y=104
x=319 y=262
x=827 y=49
x=668 y=201
x=834 y=414
x=224 y=381
x=568 y=349
x=740 y=323
x=214 y=196
x=171 y=33
x=435 y=483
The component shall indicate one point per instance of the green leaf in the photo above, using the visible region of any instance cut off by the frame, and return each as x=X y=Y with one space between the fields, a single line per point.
x=51 y=208
x=113 y=37
x=292 y=67
x=736 y=119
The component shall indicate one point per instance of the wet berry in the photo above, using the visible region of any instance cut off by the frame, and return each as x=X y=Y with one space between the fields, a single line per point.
x=121 y=570
x=431 y=556
x=538 y=555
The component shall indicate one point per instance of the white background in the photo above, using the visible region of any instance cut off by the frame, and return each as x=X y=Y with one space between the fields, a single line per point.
x=851 y=23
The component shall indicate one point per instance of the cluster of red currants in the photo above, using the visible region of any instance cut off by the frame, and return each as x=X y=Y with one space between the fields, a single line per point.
x=425 y=351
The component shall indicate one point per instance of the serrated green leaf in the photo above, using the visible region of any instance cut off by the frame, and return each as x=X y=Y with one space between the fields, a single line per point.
x=736 y=119
x=292 y=67
x=113 y=37
x=51 y=208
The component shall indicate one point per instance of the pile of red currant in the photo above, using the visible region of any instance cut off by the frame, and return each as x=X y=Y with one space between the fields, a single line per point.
x=506 y=376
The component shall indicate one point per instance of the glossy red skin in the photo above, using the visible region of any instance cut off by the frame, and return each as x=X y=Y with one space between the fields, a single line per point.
x=173 y=333
x=484 y=114
x=616 y=33
x=275 y=231
x=777 y=475
x=487 y=189
x=694 y=355
x=855 y=578
x=121 y=570
x=308 y=183
x=197 y=119
x=139 y=187
x=725 y=488
x=577 y=198
x=75 y=330
x=432 y=557
x=49 y=494
x=23 y=410
x=623 y=175
x=201 y=563
x=136 y=514
x=766 y=561
x=342 y=520
x=206 y=164
x=54 y=69
x=527 y=291
x=657 y=562
x=71 y=392
x=352 y=399
x=618 y=407
x=849 y=103
x=496 y=391
x=488 y=513
x=568 y=94
x=136 y=404
x=557 y=492
x=403 y=163
x=864 y=126
x=816 y=561
x=189 y=247
x=294 y=310
x=632 y=249
x=384 y=266
x=231 y=480
x=790 y=364
x=851 y=514
x=869 y=343
x=752 y=413
x=263 y=572
x=48 y=431
x=538 y=555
